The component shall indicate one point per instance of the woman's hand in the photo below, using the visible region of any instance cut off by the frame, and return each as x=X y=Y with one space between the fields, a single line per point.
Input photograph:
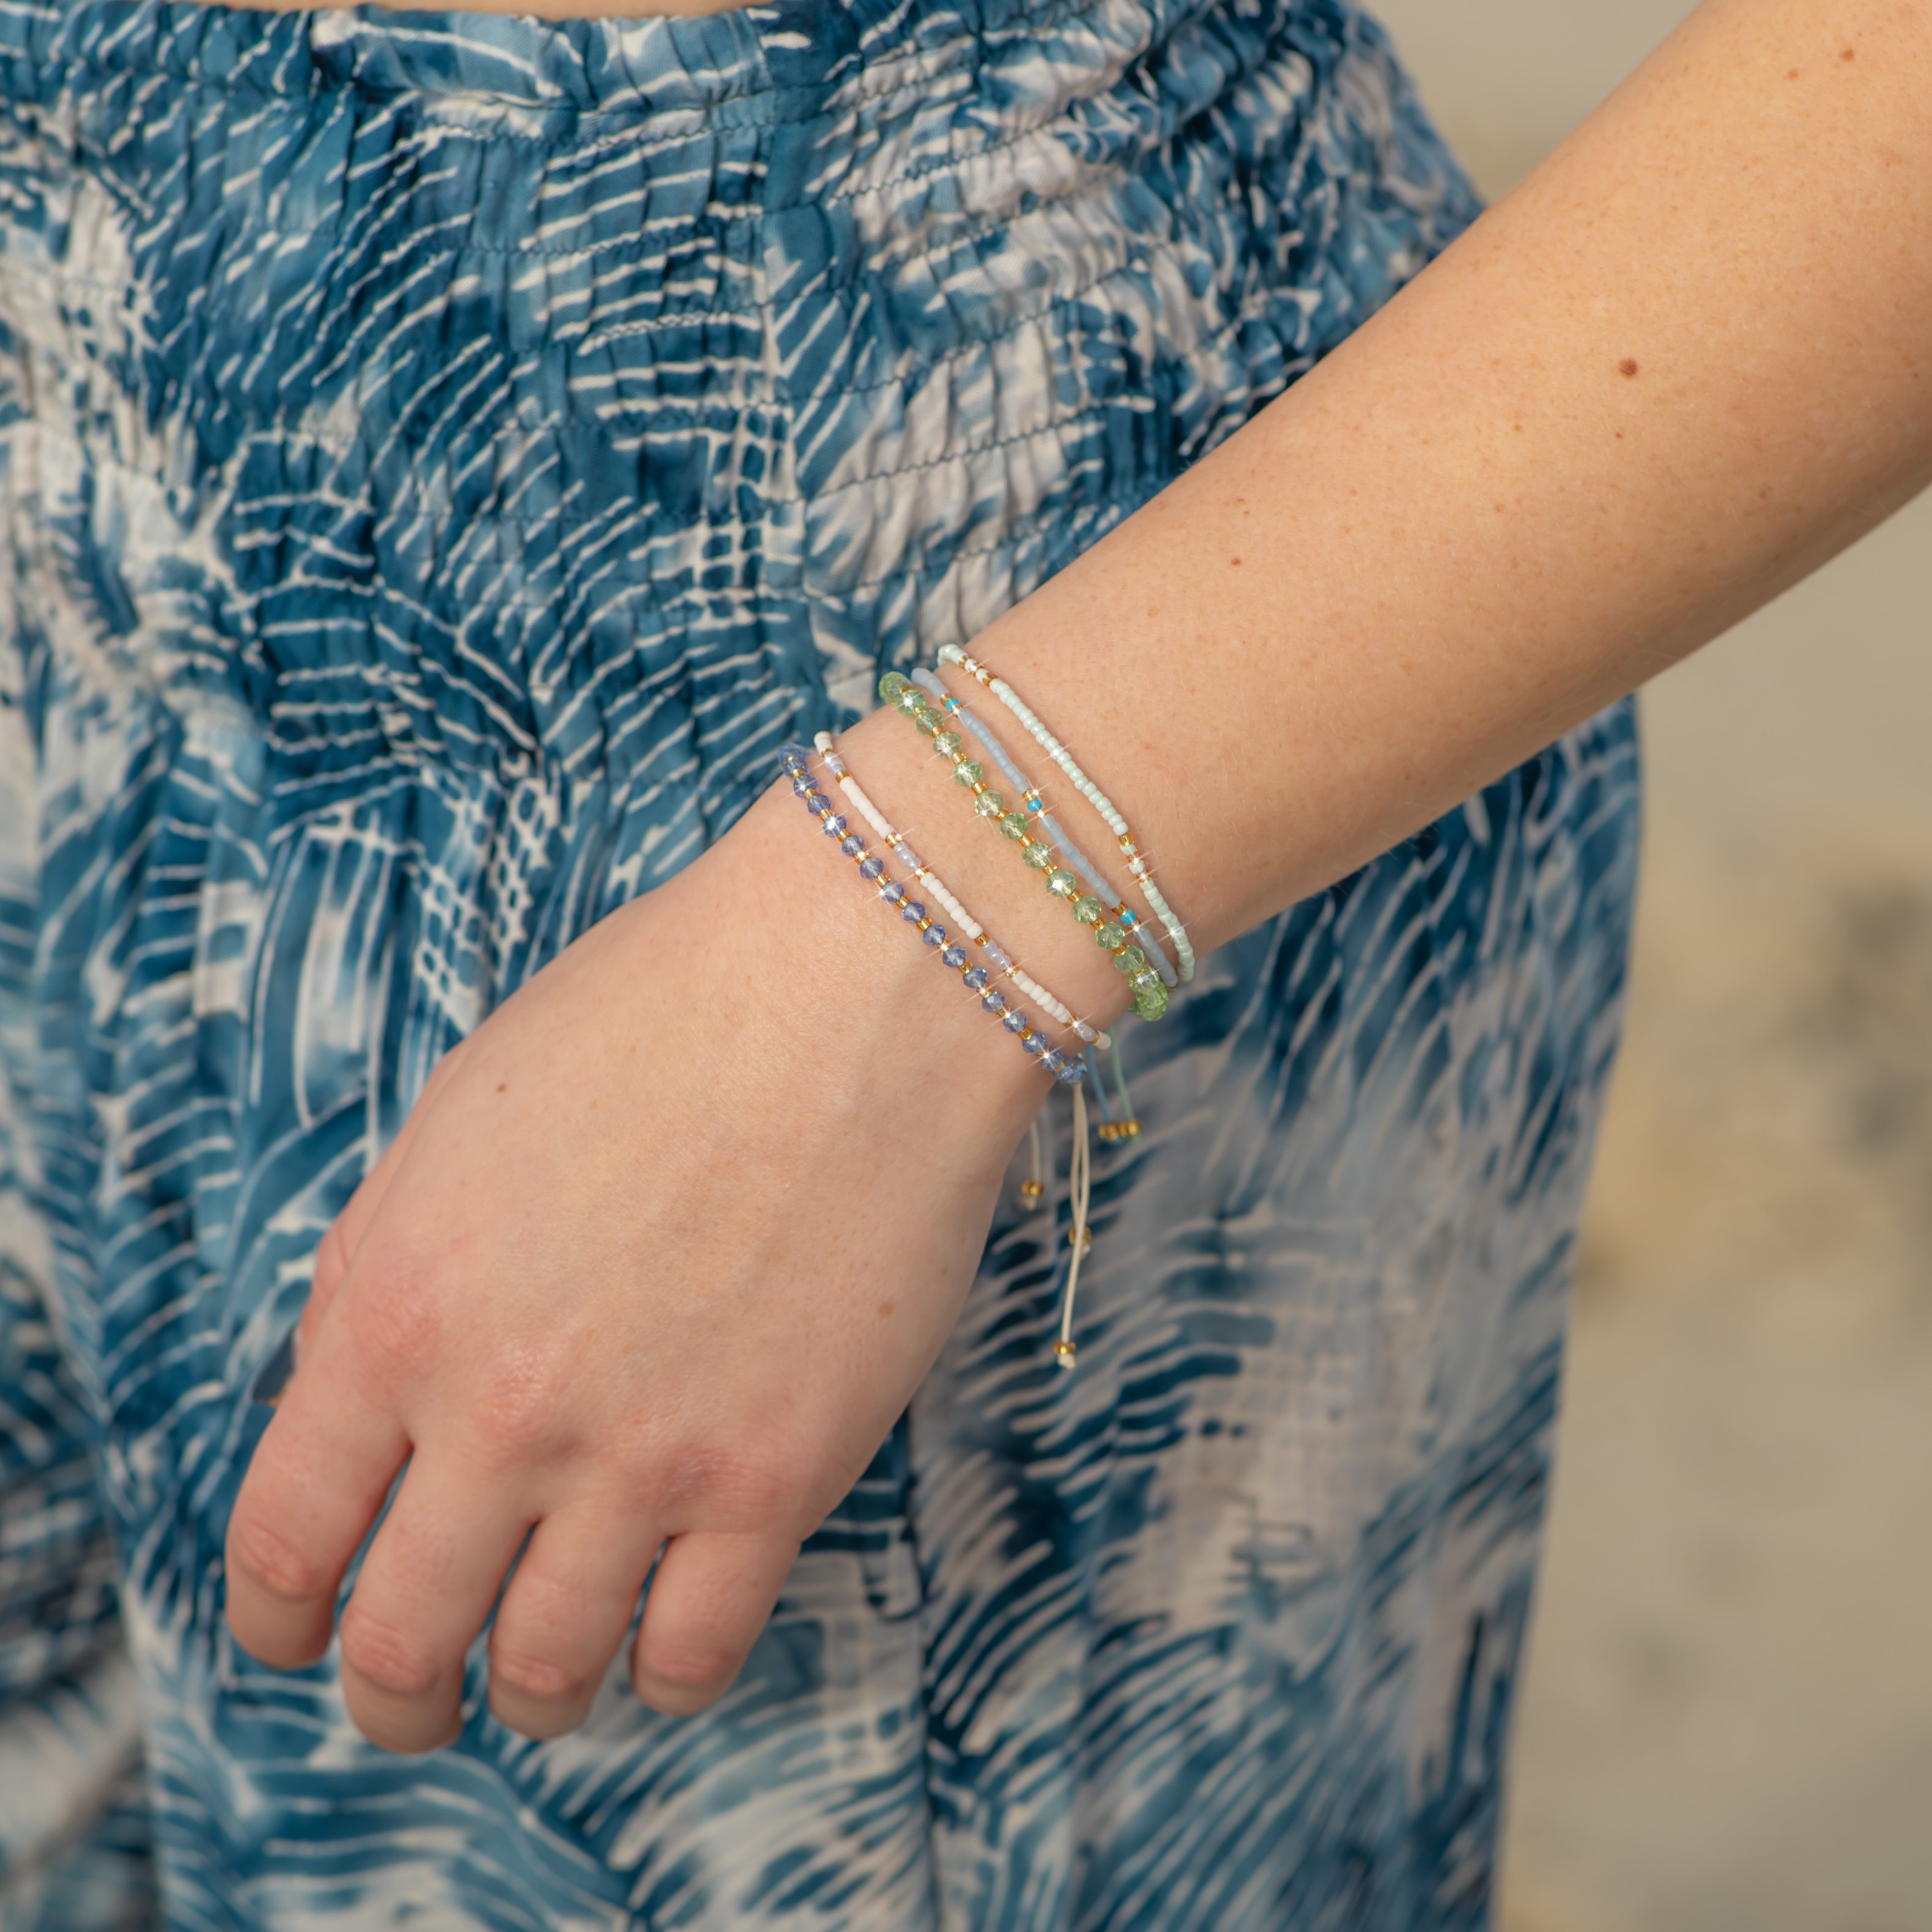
x=660 y=1254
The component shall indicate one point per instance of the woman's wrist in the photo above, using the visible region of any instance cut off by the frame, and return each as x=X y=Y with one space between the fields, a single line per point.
x=915 y=790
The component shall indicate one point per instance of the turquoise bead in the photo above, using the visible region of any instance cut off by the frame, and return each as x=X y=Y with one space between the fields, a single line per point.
x=1014 y=825
x=989 y=804
x=1110 y=936
x=1088 y=910
x=947 y=744
x=968 y=772
x=1037 y=856
x=891 y=685
x=1062 y=884
x=1131 y=959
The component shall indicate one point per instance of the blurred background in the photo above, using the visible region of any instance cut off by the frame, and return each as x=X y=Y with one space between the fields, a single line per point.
x=1726 y=1725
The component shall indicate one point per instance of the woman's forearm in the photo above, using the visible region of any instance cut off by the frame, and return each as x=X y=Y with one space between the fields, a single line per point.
x=1677 y=369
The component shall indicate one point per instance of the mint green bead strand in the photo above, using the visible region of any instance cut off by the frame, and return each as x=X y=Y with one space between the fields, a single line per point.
x=968 y=773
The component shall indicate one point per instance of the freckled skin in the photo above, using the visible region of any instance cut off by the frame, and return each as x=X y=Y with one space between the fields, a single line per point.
x=1393 y=646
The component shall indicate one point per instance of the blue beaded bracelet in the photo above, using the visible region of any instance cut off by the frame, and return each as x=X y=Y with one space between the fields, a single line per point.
x=1069 y=1069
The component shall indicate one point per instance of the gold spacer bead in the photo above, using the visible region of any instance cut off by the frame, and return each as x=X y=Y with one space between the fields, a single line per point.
x=1084 y=1237
x=1032 y=1190
x=1128 y=1130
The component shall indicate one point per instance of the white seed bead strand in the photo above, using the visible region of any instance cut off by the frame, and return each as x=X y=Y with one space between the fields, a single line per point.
x=930 y=881
x=1143 y=929
x=1110 y=816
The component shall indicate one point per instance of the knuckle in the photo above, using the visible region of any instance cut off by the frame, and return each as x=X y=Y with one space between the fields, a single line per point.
x=732 y=1487
x=396 y=1321
x=535 y=1676
x=521 y=1414
x=383 y=1656
x=688 y=1665
x=271 y=1563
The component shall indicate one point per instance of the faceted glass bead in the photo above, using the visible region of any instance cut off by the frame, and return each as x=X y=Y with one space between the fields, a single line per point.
x=1131 y=959
x=967 y=772
x=1037 y=856
x=892 y=892
x=996 y=957
x=852 y=845
x=1088 y=910
x=799 y=753
x=891 y=685
x=954 y=956
x=912 y=912
x=1014 y=1021
x=1073 y=1070
x=1151 y=1005
x=1014 y=825
x=925 y=721
x=934 y=934
x=976 y=978
x=871 y=868
x=1032 y=1044
x=1061 y=883
x=817 y=801
x=837 y=826
x=802 y=786
x=989 y=804
x=994 y=1001
x=910 y=698
x=1144 y=981
x=1053 y=1059
x=948 y=744
x=1110 y=936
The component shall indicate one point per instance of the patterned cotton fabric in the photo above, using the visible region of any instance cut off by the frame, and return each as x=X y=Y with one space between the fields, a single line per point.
x=441 y=457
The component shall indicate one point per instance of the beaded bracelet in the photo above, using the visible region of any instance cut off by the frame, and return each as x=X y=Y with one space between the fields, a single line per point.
x=1031 y=803
x=1150 y=995
x=1067 y=1068
x=1183 y=949
x=924 y=876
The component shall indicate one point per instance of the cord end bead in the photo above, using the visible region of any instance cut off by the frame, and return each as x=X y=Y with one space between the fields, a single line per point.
x=1033 y=1193
x=1080 y=1240
x=1064 y=1354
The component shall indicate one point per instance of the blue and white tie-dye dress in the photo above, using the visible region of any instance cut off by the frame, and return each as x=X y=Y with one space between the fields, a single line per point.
x=441 y=457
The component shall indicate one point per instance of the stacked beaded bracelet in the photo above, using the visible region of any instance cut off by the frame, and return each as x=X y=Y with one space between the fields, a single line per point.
x=1183 y=950
x=927 y=879
x=1150 y=995
x=1035 y=808
x=1069 y=1068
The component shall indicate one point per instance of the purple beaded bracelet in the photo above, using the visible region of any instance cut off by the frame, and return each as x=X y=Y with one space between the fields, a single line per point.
x=1068 y=1068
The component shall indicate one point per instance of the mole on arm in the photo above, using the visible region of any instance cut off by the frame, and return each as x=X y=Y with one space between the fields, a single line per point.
x=1628 y=366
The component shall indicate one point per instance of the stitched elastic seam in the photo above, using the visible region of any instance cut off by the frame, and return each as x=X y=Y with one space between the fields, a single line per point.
x=90 y=62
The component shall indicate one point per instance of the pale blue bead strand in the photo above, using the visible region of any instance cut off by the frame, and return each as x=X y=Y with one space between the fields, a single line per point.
x=930 y=682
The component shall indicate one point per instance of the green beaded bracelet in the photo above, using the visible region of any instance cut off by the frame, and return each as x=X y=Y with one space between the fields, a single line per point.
x=1149 y=994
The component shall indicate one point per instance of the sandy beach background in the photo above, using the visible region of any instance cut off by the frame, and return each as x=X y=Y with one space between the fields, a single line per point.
x=1727 y=1721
